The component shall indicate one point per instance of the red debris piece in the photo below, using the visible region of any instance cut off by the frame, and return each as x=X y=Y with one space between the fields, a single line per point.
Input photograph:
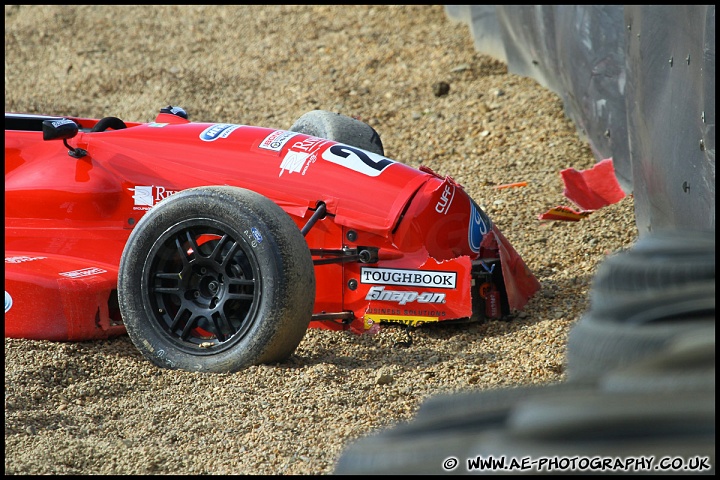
x=590 y=189
x=564 y=213
x=594 y=188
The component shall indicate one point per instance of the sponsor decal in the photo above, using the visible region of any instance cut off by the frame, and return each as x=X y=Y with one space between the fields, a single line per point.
x=403 y=297
x=220 y=130
x=256 y=233
x=276 y=140
x=479 y=227
x=84 y=272
x=158 y=125
x=371 y=319
x=8 y=301
x=294 y=162
x=145 y=197
x=310 y=144
x=254 y=236
x=60 y=123
x=22 y=259
x=301 y=155
x=412 y=278
x=361 y=161
x=446 y=199
x=408 y=312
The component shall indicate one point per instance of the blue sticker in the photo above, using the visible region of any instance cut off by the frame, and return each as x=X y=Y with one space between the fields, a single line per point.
x=8 y=301
x=479 y=226
x=220 y=130
x=257 y=234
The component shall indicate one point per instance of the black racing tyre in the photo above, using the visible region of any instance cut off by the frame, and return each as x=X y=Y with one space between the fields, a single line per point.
x=215 y=279
x=109 y=122
x=643 y=299
x=686 y=364
x=339 y=128
x=656 y=262
x=562 y=421
x=597 y=347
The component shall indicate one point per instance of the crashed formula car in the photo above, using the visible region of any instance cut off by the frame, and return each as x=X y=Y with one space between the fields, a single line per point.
x=215 y=246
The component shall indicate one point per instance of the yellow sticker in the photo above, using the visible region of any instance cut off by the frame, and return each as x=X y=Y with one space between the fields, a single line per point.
x=371 y=319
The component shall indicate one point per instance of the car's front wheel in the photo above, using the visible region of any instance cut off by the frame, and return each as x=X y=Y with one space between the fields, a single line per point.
x=215 y=279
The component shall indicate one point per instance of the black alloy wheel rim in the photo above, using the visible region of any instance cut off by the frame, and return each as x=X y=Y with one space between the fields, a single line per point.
x=202 y=286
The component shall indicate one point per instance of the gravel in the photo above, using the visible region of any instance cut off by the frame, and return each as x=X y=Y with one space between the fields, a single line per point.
x=100 y=408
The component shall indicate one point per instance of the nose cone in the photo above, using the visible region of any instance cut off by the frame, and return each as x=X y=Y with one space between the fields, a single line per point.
x=444 y=220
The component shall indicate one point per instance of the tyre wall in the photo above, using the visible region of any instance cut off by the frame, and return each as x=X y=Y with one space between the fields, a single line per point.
x=638 y=81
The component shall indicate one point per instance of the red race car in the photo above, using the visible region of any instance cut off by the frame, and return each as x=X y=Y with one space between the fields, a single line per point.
x=216 y=245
